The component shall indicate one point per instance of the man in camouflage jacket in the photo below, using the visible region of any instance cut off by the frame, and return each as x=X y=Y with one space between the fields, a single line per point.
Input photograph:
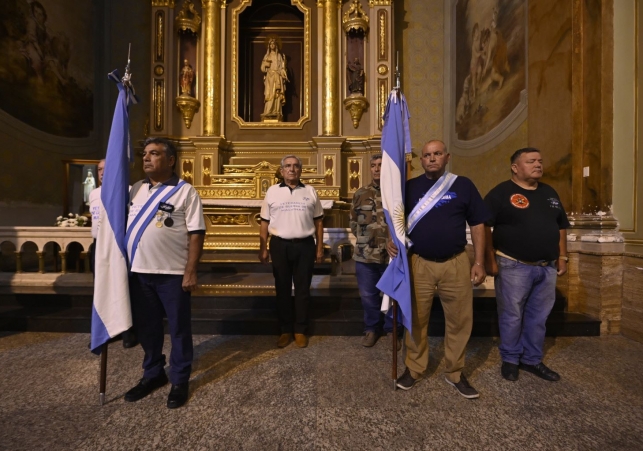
x=371 y=259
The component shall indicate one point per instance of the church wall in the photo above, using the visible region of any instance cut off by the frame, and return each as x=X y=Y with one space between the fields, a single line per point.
x=31 y=179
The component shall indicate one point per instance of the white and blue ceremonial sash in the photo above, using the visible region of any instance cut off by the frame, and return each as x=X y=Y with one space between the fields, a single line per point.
x=145 y=215
x=430 y=199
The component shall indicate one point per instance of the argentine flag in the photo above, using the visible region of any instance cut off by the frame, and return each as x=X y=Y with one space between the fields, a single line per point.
x=396 y=143
x=111 y=313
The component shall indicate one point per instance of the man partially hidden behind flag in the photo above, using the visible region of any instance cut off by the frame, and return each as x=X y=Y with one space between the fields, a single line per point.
x=111 y=312
x=438 y=206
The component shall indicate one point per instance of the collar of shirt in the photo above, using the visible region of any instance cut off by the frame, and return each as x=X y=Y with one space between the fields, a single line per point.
x=373 y=185
x=299 y=185
x=172 y=181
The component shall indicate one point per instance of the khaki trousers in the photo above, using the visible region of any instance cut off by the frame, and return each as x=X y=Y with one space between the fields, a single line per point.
x=452 y=281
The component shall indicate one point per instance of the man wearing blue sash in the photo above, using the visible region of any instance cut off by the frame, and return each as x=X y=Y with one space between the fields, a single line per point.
x=439 y=205
x=165 y=233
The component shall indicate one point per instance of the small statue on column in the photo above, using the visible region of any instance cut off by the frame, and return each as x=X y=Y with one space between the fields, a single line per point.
x=355 y=72
x=275 y=78
x=187 y=78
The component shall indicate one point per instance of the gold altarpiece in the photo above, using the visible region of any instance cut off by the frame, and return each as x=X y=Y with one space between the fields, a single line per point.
x=208 y=92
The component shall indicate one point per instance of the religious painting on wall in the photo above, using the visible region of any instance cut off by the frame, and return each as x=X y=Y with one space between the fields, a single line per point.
x=47 y=65
x=490 y=66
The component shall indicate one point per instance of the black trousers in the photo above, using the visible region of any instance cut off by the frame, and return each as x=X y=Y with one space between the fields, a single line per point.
x=292 y=262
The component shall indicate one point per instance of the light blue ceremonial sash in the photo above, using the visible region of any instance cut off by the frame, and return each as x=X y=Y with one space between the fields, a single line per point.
x=145 y=215
x=429 y=200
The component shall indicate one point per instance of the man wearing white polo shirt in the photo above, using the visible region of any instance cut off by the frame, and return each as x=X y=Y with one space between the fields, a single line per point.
x=292 y=214
x=165 y=233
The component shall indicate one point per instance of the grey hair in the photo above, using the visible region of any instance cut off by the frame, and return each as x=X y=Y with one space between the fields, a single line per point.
x=377 y=156
x=438 y=141
x=290 y=156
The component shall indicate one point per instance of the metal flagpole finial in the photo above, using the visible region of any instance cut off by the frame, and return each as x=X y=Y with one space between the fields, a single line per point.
x=397 y=71
x=127 y=78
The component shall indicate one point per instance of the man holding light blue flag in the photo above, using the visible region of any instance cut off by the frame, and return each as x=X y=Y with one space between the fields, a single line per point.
x=439 y=205
x=111 y=313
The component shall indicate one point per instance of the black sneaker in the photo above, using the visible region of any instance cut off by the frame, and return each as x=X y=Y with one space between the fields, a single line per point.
x=406 y=381
x=145 y=387
x=178 y=395
x=509 y=371
x=464 y=388
x=541 y=371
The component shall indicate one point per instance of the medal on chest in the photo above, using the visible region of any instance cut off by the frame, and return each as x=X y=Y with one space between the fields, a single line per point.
x=159 y=219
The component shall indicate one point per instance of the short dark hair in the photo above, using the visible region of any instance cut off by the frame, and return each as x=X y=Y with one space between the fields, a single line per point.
x=519 y=152
x=169 y=147
x=377 y=156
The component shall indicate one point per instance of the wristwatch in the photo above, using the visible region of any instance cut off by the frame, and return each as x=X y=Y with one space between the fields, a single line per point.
x=563 y=257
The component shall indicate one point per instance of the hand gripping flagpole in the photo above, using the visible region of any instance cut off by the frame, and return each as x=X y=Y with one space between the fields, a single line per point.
x=130 y=97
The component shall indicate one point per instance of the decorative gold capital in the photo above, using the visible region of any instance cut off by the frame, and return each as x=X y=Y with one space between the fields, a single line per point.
x=188 y=106
x=168 y=3
x=373 y=3
x=188 y=18
x=356 y=105
x=355 y=18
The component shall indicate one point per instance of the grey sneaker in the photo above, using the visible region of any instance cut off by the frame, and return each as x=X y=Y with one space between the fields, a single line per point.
x=464 y=388
x=406 y=381
x=369 y=339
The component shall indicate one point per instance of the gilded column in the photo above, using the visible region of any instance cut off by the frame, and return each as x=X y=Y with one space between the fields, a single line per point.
x=330 y=62
x=212 y=67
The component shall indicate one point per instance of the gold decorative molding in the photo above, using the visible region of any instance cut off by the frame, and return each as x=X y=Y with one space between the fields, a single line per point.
x=211 y=67
x=306 y=88
x=227 y=193
x=206 y=169
x=261 y=166
x=188 y=106
x=382 y=45
x=356 y=105
x=382 y=69
x=329 y=172
x=168 y=3
x=232 y=181
x=354 y=174
x=359 y=19
x=188 y=18
x=187 y=169
x=373 y=3
x=315 y=181
x=382 y=96
x=229 y=219
x=159 y=36
x=328 y=192
x=159 y=104
x=159 y=70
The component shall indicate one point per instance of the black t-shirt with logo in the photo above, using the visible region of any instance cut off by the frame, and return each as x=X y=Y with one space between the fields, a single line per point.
x=526 y=223
x=442 y=231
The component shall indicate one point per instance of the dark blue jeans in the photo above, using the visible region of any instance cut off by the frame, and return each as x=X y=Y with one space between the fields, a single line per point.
x=525 y=295
x=152 y=295
x=368 y=274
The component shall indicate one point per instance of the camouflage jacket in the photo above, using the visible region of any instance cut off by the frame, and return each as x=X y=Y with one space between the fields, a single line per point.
x=369 y=225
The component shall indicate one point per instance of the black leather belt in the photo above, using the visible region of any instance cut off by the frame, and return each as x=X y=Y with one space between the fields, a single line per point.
x=441 y=260
x=292 y=240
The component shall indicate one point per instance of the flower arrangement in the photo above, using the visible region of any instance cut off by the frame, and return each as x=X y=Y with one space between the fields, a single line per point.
x=71 y=220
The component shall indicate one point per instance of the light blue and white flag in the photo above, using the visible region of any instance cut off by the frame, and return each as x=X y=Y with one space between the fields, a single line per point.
x=111 y=313
x=396 y=143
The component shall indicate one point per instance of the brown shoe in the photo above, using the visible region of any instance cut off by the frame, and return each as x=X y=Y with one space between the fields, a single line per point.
x=284 y=340
x=301 y=340
x=398 y=341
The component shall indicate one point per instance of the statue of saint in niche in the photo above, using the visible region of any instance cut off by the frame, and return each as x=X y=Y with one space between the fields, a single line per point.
x=355 y=73
x=187 y=77
x=89 y=185
x=275 y=78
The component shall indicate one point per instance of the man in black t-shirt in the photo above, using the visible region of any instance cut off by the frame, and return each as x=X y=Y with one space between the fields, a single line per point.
x=530 y=247
x=438 y=206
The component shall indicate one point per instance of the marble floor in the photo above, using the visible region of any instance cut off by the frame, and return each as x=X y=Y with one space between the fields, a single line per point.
x=333 y=395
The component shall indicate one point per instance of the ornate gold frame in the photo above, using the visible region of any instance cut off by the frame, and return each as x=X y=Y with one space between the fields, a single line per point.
x=307 y=69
